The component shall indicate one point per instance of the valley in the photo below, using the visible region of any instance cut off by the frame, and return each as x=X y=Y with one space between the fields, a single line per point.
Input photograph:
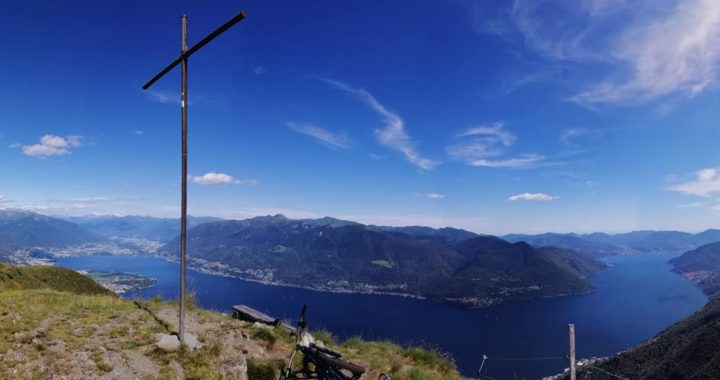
x=363 y=267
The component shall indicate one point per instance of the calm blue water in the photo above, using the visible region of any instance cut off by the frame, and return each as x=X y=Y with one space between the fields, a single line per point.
x=636 y=298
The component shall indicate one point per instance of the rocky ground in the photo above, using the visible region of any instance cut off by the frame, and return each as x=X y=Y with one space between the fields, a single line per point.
x=48 y=334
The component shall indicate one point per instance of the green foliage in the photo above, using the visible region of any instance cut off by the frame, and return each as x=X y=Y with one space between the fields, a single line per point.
x=324 y=336
x=318 y=252
x=401 y=363
x=75 y=319
x=52 y=277
x=266 y=335
x=101 y=364
x=263 y=369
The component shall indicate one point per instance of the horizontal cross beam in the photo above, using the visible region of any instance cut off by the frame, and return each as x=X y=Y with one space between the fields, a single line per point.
x=195 y=48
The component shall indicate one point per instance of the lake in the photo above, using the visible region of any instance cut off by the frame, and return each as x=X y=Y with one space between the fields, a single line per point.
x=635 y=299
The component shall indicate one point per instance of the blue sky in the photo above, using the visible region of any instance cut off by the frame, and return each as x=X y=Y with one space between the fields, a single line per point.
x=524 y=116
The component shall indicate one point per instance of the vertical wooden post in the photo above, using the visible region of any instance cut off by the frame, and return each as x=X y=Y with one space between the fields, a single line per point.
x=571 y=331
x=182 y=60
x=183 y=206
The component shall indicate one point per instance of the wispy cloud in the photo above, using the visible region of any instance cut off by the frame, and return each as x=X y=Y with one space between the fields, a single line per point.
x=163 y=97
x=333 y=140
x=523 y=162
x=96 y=200
x=645 y=49
x=4 y=199
x=479 y=143
x=572 y=136
x=393 y=135
x=510 y=85
x=432 y=196
x=536 y=197
x=694 y=205
x=706 y=183
x=51 y=145
x=92 y=205
x=493 y=132
x=213 y=178
x=677 y=53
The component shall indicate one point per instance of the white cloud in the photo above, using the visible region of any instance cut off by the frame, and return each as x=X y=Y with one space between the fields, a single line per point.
x=435 y=196
x=212 y=178
x=523 y=162
x=51 y=145
x=494 y=132
x=571 y=136
x=393 y=135
x=96 y=200
x=538 y=197
x=92 y=205
x=479 y=143
x=163 y=97
x=705 y=184
x=331 y=139
x=562 y=30
x=646 y=49
x=694 y=205
x=677 y=53
x=4 y=199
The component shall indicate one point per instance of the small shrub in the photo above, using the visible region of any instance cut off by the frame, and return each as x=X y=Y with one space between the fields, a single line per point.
x=265 y=335
x=325 y=336
x=263 y=369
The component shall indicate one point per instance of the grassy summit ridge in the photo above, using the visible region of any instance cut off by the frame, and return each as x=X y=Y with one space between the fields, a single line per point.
x=58 y=323
x=50 y=277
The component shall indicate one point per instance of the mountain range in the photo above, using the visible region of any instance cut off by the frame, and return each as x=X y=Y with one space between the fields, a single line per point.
x=24 y=229
x=448 y=264
x=602 y=244
x=328 y=254
x=132 y=226
x=702 y=265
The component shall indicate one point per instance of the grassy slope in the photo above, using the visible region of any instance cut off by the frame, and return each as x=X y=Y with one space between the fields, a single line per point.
x=88 y=332
x=51 y=277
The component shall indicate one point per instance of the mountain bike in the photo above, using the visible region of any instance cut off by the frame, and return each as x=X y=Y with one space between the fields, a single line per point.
x=326 y=363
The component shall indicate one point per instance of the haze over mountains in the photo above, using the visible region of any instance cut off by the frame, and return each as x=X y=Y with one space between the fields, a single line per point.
x=132 y=226
x=339 y=255
x=602 y=244
x=331 y=254
x=22 y=229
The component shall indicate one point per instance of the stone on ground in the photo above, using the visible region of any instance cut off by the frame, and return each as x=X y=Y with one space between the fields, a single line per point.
x=168 y=342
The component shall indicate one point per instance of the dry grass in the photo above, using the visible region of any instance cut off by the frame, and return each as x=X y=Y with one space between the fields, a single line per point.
x=45 y=331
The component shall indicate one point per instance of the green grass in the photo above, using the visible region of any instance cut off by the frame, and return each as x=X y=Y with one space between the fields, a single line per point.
x=51 y=277
x=266 y=335
x=34 y=312
x=100 y=363
x=413 y=363
x=264 y=369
